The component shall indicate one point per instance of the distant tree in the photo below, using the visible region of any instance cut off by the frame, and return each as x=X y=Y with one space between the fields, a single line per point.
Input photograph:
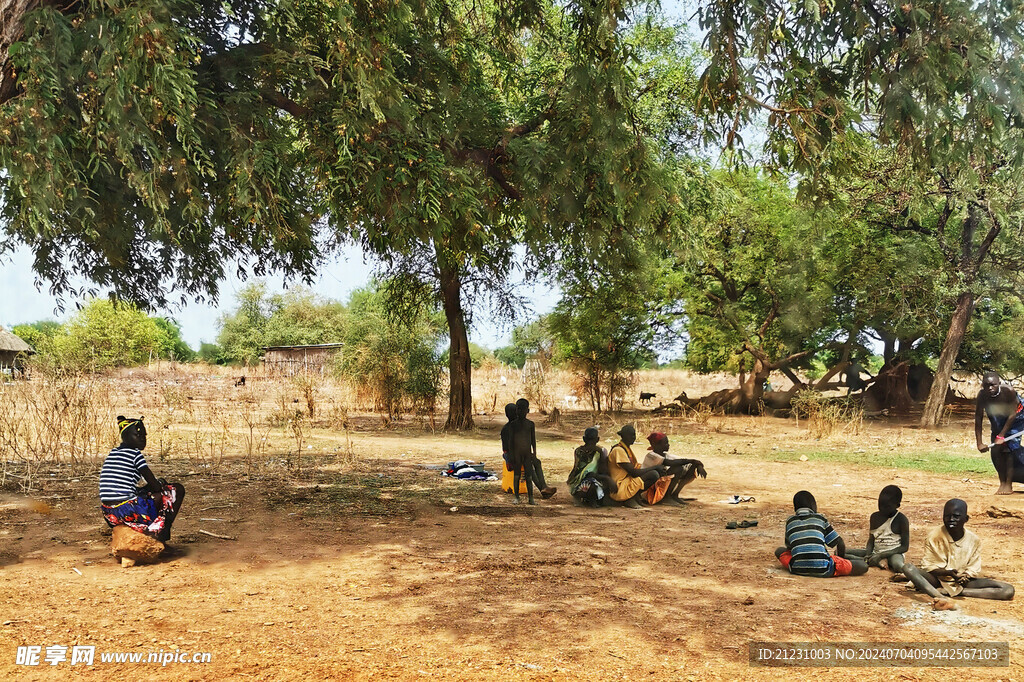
x=607 y=328
x=39 y=334
x=394 y=362
x=169 y=343
x=103 y=335
x=211 y=353
x=242 y=333
x=757 y=296
x=296 y=317
x=529 y=340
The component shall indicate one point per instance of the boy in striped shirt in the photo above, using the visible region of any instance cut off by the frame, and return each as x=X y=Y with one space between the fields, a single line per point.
x=808 y=537
x=150 y=509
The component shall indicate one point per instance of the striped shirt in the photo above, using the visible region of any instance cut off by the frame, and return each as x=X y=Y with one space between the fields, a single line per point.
x=808 y=537
x=120 y=475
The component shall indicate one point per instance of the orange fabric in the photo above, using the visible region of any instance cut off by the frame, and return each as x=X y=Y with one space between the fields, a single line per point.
x=843 y=566
x=656 y=493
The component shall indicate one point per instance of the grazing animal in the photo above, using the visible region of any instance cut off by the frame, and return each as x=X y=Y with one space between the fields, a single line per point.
x=571 y=400
x=645 y=398
x=240 y=382
x=681 y=398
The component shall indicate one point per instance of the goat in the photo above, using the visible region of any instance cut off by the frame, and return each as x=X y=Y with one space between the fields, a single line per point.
x=645 y=398
x=240 y=382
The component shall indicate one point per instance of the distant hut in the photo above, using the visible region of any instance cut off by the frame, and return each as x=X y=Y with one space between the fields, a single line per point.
x=13 y=352
x=289 y=360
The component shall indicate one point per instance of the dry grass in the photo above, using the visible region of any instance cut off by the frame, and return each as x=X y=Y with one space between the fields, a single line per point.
x=196 y=413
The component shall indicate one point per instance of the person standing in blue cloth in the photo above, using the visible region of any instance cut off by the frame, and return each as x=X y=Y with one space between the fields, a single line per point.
x=1005 y=412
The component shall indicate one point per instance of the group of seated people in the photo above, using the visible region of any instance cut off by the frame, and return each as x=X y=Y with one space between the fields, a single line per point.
x=950 y=567
x=600 y=478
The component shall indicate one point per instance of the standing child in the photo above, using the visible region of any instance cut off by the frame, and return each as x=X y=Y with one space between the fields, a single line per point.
x=888 y=533
x=808 y=537
x=150 y=509
x=523 y=454
x=952 y=563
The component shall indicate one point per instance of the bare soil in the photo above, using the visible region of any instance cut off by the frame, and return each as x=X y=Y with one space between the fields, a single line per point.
x=382 y=568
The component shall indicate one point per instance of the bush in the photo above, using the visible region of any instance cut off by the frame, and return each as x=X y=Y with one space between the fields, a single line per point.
x=828 y=416
x=104 y=334
x=395 y=364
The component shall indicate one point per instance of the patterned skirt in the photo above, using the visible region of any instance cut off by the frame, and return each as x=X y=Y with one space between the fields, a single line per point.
x=146 y=513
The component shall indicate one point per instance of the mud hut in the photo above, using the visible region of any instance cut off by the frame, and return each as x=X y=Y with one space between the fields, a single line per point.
x=289 y=360
x=13 y=352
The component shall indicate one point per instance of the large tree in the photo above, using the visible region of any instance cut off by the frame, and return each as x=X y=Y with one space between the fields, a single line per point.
x=941 y=82
x=149 y=144
x=760 y=280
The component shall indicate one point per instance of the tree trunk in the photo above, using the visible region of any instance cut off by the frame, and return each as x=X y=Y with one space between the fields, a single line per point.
x=12 y=29
x=889 y=350
x=460 y=394
x=752 y=390
x=950 y=349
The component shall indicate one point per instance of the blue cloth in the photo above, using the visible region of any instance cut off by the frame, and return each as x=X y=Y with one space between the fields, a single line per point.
x=1014 y=446
x=998 y=421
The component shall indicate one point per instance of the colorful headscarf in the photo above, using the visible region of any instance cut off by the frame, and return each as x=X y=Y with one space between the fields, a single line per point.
x=124 y=424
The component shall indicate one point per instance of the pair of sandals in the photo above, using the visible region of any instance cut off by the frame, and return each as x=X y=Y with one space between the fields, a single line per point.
x=733 y=525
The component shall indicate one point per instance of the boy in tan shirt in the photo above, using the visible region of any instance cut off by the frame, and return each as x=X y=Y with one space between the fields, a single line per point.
x=952 y=563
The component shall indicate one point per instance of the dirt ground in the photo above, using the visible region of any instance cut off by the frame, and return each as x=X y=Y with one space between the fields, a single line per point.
x=379 y=567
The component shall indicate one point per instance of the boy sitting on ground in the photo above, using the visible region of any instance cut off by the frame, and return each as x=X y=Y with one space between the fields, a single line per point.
x=150 y=509
x=888 y=533
x=680 y=472
x=631 y=480
x=808 y=537
x=952 y=563
x=588 y=481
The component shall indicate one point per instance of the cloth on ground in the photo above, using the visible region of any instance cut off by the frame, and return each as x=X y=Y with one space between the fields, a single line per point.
x=466 y=470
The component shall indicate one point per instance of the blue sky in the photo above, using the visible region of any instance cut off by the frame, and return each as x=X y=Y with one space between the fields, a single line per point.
x=22 y=301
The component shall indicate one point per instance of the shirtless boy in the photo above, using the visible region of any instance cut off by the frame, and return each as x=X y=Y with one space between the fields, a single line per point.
x=1005 y=412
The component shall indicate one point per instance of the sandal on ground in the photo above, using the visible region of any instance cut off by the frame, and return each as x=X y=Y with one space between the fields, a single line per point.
x=747 y=524
x=732 y=525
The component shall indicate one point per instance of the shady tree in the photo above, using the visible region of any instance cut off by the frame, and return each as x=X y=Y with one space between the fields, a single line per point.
x=941 y=82
x=148 y=145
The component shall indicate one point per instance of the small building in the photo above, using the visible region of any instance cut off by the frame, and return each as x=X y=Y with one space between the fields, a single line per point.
x=13 y=351
x=289 y=360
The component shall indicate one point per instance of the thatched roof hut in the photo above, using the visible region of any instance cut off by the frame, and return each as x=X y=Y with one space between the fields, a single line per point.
x=12 y=351
x=289 y=360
